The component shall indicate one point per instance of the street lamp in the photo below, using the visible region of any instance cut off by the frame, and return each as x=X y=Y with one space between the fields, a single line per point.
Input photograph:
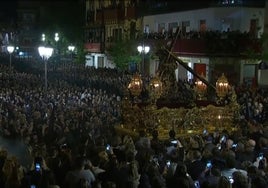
x=57 y=38
x=10 y=50
x=71 y=49
x=43 y=37
x=144 y=50
x=45 y=53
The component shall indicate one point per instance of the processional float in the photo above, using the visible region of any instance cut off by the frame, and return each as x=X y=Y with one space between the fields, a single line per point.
x=196 y=114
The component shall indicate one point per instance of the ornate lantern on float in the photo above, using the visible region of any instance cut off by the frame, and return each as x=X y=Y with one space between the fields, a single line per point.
x=222 y=86
x=155 y=88
x=200 y=88
x=135 y=85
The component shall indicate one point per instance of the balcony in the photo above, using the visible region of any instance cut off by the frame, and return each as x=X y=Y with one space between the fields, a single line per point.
x=92 y=47
x=115 y=14
x=212 y=43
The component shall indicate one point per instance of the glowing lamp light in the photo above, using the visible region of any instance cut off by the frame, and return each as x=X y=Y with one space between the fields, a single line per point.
x=71 y=48
x=56 y=37
x=143 y=49
x=10 y=49
x=135 y=85
x=45 y=52
x=156 y=87
x=222 y=86
x=200 y=88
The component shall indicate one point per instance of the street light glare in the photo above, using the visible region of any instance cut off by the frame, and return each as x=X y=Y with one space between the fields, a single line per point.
x=57 y=37
x=45 y=52
x=71 y=48
x=139 y=48
x=146 y=49
x=143 y=49
x=10 y=49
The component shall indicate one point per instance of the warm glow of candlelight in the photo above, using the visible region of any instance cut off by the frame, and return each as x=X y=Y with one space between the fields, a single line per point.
x=222 y=86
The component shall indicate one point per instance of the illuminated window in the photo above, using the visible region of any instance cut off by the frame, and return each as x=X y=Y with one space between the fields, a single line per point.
x=231 y=2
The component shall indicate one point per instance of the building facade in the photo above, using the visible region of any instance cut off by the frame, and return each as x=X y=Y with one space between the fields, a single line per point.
x=110 y=20
x=107 y=22
x=190 y=45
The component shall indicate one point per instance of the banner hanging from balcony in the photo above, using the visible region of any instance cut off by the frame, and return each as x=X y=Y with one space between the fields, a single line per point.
x=92 y=47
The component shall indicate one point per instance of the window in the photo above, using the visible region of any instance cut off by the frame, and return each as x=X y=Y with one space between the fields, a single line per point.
x=185 y=27
x=117 y=34
x=146 y=29
x=202 y=25
x=230 y=2
x=172 y=27
x=161 y=28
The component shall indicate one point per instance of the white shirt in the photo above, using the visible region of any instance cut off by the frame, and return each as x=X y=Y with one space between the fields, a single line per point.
x=229 y=172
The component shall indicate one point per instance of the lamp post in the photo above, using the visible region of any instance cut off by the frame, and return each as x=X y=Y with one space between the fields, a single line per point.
x=71 y=49
x=45 y=53
x=56 y=37
x=144 y=50
x=43 y=37
x=10 y=50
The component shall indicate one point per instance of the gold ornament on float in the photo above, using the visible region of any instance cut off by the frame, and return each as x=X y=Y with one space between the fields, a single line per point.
x=155 y=88
x=200 y=88
x=222 y=86
x=135 y=85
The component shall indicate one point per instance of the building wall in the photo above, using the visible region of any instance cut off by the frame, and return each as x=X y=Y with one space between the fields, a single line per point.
x=216 y=18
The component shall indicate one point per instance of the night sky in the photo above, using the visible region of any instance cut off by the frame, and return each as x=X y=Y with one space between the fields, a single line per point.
x=7 y=9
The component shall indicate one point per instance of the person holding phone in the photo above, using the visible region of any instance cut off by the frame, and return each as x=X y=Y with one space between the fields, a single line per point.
x=79 y=175
x=40 y=175
x=197 y=167
x=230 y=166
x=180 y=177
x=261 y=162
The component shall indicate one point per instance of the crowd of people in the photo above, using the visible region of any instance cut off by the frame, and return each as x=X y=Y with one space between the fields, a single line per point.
x=71 y=141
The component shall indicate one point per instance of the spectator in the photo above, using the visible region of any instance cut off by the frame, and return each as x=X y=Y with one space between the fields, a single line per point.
x=224 y=182
x=79 y=176
x=230 y=166
x=40 y=175
x=196 y=166
x=156 y=144
x=81 y=111
x=181 y=178
x=240 y=180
